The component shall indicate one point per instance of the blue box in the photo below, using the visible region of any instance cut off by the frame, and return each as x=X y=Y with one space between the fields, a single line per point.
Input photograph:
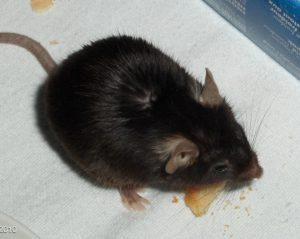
x=273 y=25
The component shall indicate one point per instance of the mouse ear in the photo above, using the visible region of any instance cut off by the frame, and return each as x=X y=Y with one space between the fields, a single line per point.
x=210 y=94
x=181 y=151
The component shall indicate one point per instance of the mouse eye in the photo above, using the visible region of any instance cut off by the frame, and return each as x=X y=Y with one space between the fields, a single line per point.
x=220 y=167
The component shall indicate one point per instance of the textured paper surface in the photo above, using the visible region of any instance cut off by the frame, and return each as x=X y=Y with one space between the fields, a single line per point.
x=41 y=191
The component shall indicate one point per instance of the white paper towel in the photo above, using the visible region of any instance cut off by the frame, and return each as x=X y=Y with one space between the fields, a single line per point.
x=44 y=193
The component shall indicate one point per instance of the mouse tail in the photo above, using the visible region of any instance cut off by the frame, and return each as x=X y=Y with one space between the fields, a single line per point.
x=32 y=46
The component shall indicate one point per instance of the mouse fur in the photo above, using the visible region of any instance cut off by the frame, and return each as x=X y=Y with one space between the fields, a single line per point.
x=117 y=104
x=130 y=116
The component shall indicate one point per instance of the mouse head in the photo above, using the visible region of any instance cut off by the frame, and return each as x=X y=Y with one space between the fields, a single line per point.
x=210 y=145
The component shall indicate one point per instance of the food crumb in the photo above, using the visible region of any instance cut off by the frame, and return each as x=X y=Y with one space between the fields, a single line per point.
x=53 y=42
x=212 y=213
x=237 y=207
x=231 y=235
x=250 y=188
x=41 y=5
x=226 y=226
x=227 y=202
x=247 y=209
x=199 y=200
x=242 y=197
x=175 y=199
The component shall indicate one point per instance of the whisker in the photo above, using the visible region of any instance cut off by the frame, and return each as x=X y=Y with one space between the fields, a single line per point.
x=262 y=140
x=262 y=121
x=255 y=111
x=257 y=123
x=225 y=202
x=227 y=195
x=218 y=203
x=250 y=132
x=221 y=199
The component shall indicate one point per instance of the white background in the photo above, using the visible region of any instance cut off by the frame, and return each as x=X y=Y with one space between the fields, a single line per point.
x=44 y=193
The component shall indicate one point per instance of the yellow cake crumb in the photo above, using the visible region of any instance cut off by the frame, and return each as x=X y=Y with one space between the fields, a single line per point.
x=247 y=209
x=242 y=197
x=175 y=199
x=53 y=42
x=199 y=200
x=41 y=5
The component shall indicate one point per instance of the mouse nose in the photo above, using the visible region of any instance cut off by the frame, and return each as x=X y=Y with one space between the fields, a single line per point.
x=254 y=170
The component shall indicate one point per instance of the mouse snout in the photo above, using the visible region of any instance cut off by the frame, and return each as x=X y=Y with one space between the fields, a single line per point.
x=252 y=171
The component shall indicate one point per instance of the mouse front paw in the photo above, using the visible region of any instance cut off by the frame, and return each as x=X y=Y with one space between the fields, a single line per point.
x=132 y=200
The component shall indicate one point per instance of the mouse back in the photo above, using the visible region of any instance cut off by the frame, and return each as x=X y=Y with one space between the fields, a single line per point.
x=131 y=114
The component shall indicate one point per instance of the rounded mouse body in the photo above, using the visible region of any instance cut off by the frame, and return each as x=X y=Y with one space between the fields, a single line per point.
x=130 y=116
x=109 y=105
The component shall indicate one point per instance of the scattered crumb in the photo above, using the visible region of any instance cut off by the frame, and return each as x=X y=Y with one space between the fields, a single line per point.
x=175 y=199
x=231 y=235
x=247 y=209
x=53 y=42
x=242 y=198
x=242 y=195
x=41 y=5
x=227 y=202
x=212 y=213
x=226 y=227
x=237 y=207
x=250 y=188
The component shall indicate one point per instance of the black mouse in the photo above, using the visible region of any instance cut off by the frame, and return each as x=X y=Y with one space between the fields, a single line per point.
x=130 y=116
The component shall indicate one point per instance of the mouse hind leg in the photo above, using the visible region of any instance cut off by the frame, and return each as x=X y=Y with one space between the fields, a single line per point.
x=132 y=200
x=106 y=177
